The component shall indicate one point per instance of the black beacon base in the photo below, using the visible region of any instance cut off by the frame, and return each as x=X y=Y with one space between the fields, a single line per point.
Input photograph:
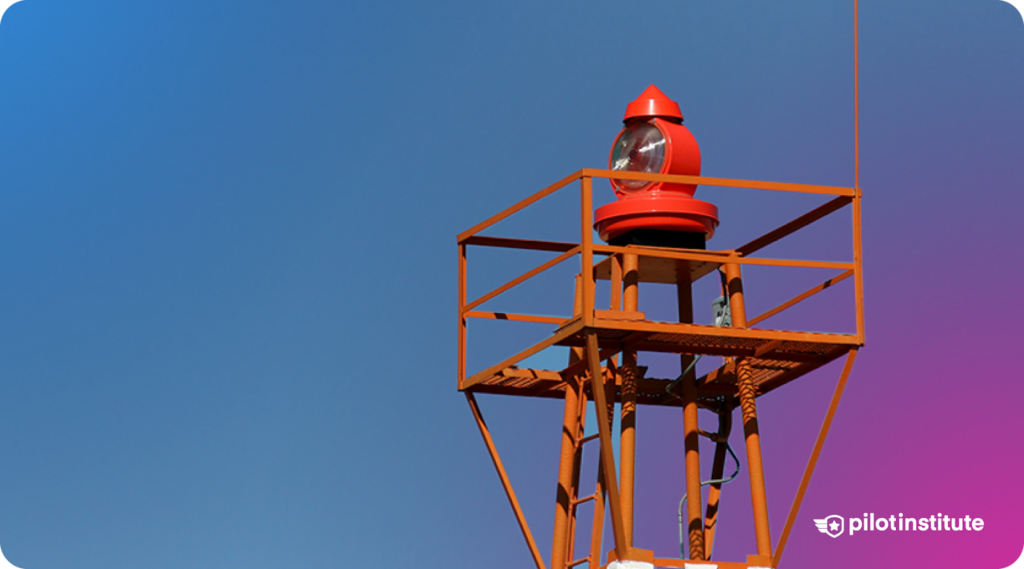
x=660 y=238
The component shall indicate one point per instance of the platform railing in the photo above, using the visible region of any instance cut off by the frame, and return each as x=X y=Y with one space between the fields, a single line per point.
x=586 y=249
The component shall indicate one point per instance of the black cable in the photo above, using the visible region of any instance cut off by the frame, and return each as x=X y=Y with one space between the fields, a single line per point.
x=730 y=478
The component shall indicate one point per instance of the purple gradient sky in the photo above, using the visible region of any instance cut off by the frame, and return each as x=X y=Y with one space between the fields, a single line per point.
x=227 y=233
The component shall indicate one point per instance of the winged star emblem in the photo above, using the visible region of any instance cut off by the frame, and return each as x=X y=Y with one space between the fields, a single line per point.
x=831 y=526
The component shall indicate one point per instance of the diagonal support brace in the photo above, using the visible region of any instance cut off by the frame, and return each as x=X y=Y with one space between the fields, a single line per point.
x=512 y=500
x=607 y=455
x=836 y=396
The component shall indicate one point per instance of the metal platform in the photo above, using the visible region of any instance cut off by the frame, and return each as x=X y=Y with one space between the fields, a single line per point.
x=776 y=357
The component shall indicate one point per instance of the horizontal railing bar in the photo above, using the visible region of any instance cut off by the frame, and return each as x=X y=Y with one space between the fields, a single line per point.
x=720 y=182
x=695 y=255
x=844 y=265
x=665 y=253
x=515 y=317
x=511 y=243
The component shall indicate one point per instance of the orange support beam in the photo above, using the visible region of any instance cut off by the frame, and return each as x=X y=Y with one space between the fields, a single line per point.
x=806 y=479
x=747 y=395
x=607 y=456
x=627 y=445
x=509 y=492
x=691 y=429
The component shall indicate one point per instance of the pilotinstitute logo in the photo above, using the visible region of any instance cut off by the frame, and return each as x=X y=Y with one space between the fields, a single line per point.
x=831 y=526
x=834 y=525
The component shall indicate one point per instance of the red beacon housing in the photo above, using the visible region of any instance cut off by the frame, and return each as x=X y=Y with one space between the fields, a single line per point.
x=655 y=141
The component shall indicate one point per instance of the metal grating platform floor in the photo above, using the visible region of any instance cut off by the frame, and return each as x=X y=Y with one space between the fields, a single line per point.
x=775 y=357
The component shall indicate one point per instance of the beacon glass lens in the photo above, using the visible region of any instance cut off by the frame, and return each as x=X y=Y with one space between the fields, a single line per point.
x=640 y=148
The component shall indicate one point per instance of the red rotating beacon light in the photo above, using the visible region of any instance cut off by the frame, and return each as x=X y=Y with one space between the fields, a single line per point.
x=654 y=140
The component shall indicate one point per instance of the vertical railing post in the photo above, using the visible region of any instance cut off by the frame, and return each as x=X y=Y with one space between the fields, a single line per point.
x=858 y=266
x=461 y=374
x=615 y=302
x=587 y=249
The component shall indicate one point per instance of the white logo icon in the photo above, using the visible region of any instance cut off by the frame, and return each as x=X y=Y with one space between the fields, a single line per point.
x=4 y=563
x=831 y=526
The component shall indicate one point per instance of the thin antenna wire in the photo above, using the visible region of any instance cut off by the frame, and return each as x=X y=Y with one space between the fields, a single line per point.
x=856 y=96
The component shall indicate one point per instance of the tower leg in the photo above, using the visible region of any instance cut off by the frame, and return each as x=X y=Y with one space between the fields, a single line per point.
x=747 y=395
x=566 y=474
x=627 y=446
x=568 y=463
x=691 y=441
x=754 y=464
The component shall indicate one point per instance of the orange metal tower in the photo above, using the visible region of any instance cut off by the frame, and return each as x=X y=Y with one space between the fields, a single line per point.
x=758 y=360
x=606 y=334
